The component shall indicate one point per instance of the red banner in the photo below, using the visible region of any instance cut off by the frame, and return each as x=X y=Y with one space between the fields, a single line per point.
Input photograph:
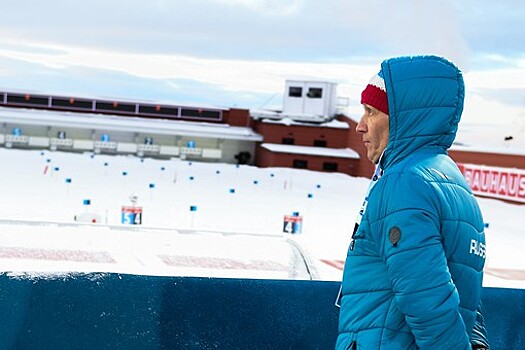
x=495 y=182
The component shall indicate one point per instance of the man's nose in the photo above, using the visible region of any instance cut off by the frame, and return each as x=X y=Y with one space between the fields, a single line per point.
x=361 y=126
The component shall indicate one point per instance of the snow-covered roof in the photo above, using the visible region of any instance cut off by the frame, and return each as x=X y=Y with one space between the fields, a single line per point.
x=288 y=121
x=130 y=124
x=312 y=151
x=503 y=138
x=286 y=118
x=489 y=149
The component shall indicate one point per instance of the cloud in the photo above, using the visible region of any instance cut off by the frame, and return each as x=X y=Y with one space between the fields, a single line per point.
x=500 y=78
x=479 y=110
x=402 y=27
x=497 y=93
x=266 y=7
x=221 y=82
x=493 y=27
x=239 y=52
x=298 y=30
x=233 y=75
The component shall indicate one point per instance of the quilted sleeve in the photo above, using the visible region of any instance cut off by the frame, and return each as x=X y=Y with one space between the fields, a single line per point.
x=408 y=229
x=479 y=333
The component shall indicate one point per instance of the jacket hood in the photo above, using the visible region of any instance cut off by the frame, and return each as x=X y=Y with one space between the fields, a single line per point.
x=425 y=101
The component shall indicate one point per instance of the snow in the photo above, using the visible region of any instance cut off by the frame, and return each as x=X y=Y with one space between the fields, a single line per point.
x=286 y=119
x=315 y=151
x=235 y=231
x=501 y=149
x=502 y=138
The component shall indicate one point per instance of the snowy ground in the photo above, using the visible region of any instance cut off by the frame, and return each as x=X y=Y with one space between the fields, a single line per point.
x=234 y=230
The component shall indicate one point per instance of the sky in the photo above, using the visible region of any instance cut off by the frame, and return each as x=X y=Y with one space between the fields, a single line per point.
x=238 y=53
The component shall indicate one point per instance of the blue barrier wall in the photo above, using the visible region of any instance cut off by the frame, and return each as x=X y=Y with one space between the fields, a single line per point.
x=113 y=311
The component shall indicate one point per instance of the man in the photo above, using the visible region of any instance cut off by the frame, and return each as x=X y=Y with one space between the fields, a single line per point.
x=413 y=274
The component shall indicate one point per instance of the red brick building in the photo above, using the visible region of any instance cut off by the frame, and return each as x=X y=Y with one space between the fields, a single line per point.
x=331 y=146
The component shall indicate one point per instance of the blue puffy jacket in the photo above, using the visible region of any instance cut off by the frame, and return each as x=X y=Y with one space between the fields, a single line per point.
x=413 y=279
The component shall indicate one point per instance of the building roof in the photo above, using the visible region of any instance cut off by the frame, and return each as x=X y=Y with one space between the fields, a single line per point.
x=289 y=121
x=286 y=118
x=508 y=150
x=124 y=123
x=498 y=138
x=312 y=151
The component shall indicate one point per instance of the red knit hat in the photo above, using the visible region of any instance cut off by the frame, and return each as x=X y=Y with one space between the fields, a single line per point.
x=375 y=94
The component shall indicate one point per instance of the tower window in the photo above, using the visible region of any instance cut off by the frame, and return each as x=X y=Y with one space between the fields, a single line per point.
x=315 y=93
x=295 y=91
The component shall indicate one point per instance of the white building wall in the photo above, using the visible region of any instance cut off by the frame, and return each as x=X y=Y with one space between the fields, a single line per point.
x=310 y=98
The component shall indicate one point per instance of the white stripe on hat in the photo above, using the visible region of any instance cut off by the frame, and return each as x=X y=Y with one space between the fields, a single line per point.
x=378 y=82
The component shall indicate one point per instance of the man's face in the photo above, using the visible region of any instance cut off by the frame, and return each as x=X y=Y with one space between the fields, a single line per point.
x=374 y=128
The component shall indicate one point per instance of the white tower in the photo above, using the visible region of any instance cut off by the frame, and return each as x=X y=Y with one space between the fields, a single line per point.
x=315 y=100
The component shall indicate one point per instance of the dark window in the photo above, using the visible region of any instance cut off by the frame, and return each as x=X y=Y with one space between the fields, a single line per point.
x=320 y=143
x=115 y=106
x=200 y=114
x=159 y=110
x=300 y=164
x=329 y=166
x=295 y=91
x=27 y=100
x=288 y=141
x=315 y=93
x=63 y=102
